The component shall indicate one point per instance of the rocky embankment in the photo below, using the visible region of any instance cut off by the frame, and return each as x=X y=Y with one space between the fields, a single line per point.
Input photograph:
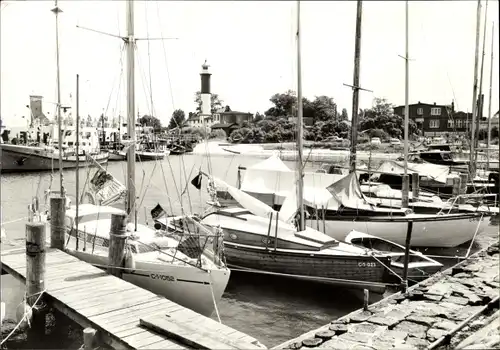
x=432 y=309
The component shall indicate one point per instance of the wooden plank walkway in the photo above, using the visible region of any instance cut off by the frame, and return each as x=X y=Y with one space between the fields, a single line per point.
x=114 y=307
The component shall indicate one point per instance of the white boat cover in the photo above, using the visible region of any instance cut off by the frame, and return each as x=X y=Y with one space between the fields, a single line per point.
x=255 y=206
x=434 y=171
x=272 y=163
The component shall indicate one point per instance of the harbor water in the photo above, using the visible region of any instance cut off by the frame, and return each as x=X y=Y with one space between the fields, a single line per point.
x=270 y=309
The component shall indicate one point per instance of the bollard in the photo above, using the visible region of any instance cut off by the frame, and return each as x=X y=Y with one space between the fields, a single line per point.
x=366 y=299
x=405 y=188
x=117 y=237
x=57 y=227
x=415 y=185
x=35 y=274
x=89 y=335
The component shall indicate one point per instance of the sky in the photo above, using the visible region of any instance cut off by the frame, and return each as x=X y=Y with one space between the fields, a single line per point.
x=251 y=50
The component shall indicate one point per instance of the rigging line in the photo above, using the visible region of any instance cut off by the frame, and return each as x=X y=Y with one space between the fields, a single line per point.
x=149 y=58
x=165 y=58
x=166 y=189
x=118 y=94
x=175 y=184
x=119 y=79
x=143 y=80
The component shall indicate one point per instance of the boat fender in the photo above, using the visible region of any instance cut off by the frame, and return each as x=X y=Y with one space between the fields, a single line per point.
x=129 y=259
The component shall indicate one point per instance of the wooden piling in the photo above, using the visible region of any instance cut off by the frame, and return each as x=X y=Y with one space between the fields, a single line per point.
x=35 y=275
x=89 y=335
x=415 y=185
x=35 y=260
x=57 y=226
x=117 y=237
x=456 y=187
x=366 y=299
x=407 y=256
x=464 y=178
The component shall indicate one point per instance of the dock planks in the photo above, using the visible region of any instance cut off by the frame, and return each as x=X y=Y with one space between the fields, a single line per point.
x=115 y=307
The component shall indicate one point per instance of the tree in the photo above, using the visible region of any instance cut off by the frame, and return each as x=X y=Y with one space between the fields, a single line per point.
x=344 y=115
x=283 y=104
x=258 y=117
x=324 y=108
x=381 y=116
x=177 y=120
x=227 y=109
x=215 y=102
x=149 y=120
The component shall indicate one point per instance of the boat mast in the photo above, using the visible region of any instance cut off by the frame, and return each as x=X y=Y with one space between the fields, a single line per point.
x=56 y=11
x=355 y=89
x=299 y=126
x=77 y=174
x=472 y=166
x=130 y=42
x=488 y=137
x=481 y=96
x=406 y=189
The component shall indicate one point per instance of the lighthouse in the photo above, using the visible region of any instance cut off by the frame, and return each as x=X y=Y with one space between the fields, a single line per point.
x=206 y=105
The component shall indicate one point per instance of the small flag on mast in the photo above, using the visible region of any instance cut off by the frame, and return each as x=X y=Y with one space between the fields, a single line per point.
x=196 y=181
x=158 y=212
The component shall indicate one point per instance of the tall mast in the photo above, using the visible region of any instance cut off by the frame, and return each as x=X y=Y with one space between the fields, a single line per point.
x=406 y=186
x=355 y=89
x=77 y=173
x=481 y=96
x=56 y=11
x=472 y=166
x=130 y=42
x=489 y=102
x=299 y=131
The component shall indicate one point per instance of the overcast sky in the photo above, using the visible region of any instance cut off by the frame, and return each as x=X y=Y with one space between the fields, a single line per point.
x=250 y=47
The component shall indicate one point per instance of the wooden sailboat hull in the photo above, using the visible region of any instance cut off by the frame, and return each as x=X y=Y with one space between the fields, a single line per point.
x=445 y=231
x=26 y=159
x=352 y=271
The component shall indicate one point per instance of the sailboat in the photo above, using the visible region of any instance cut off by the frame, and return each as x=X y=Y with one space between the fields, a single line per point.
x=184 y=265
x=343 y=207
x=256 y=237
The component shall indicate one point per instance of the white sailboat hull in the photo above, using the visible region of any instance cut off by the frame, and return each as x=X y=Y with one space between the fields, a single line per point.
x=184 y=285
x=428 y=230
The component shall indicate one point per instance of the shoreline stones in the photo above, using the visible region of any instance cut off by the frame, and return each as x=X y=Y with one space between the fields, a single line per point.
x=429 y=311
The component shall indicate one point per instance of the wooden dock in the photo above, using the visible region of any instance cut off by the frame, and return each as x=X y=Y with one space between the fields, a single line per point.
x=118 y=310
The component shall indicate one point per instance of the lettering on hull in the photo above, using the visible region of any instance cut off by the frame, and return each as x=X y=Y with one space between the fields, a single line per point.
x=156 y=276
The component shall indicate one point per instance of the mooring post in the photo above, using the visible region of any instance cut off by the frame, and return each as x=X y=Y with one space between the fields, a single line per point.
x=89 y=336
x=456 y=187
x=117 y=237
x=404 y=282
x=35 y=273
x=464 y=178
x=415 y=185
x=57 y=227
x=366 y=299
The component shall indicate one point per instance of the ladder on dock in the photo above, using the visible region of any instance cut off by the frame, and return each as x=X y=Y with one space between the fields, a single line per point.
x=124 y=315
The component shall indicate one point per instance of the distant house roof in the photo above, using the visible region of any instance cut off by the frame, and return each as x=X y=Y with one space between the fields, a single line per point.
x=194 y=117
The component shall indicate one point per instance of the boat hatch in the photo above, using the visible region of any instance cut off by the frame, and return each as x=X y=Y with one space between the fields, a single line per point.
x=327 y=244
x=234 y=212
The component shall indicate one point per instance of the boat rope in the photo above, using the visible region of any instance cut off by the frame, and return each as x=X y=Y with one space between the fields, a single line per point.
x=26 y=313
x=213 y=296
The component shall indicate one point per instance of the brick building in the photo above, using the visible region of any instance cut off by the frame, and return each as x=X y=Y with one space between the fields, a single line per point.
x=436 y=120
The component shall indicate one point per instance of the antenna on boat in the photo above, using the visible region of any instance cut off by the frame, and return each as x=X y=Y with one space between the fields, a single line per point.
x=56 y=10
x=77 y=174
x=488 y=137
x=300 y=130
